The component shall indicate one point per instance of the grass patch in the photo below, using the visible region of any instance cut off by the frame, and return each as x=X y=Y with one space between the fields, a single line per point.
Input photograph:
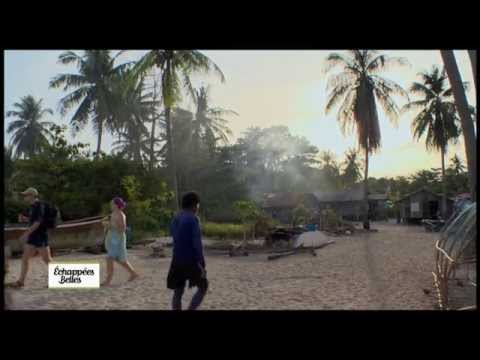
x=223 y=231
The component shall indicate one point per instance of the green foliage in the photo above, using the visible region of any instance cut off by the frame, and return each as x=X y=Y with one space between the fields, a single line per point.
x=12 y=209
x=147 y=214
x=224 y=231
x=300 y=215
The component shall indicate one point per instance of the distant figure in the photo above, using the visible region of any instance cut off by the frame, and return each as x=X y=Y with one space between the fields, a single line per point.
x=188 y=262
x=116 y=241
x=36 y=236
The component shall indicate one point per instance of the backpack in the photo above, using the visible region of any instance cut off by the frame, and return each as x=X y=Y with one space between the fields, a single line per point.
x=50 y=216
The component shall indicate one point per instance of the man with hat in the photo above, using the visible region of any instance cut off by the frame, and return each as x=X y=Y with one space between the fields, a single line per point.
x=36 y=236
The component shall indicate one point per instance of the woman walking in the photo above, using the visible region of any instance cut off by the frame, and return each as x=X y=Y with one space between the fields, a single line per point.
x=116 y=241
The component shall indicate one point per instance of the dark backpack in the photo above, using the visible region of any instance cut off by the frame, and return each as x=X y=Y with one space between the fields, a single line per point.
x=50 y=216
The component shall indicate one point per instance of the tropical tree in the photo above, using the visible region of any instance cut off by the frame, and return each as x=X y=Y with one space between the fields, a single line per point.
x=209 y=124
x=177 y=67
x=437 y=117
x=351 y=172
x=133 y=108
x=92 y=89
x=29 y=134
x=465 y=116
x=456 y=165
x=358 y=86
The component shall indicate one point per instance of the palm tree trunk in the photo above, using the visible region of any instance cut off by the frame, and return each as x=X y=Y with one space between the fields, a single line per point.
x=473 y=60
x=171 y=156
x=444 y=186
x=366 y=222
x=99 y=138
x=467 y=123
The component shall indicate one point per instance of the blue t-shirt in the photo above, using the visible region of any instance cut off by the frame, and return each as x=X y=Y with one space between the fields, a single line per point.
x=187 y=239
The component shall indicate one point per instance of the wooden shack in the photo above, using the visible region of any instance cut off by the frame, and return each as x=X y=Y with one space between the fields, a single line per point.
x=348 y=203
x=421 y=204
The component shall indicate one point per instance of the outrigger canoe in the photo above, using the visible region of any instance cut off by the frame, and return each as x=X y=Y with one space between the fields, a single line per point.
x=72 y=234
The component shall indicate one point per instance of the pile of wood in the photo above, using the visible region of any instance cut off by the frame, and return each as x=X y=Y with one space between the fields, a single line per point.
x=158 y=250
x=299 y=250
x=281 y=234
x=238 y=250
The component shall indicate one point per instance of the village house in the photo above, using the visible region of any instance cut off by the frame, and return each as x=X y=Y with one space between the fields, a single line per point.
x=421 y=204
x=348 y=203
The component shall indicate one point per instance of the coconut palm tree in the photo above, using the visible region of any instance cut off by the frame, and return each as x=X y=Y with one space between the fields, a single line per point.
x=437 y=117
x=209 y=124
x=132 y=108
x=359 y=87
x=465 y=116
x=92 y=89
x=29 y=133
x=176 y=66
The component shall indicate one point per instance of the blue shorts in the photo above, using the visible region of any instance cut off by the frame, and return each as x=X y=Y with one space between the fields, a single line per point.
x=38 y=240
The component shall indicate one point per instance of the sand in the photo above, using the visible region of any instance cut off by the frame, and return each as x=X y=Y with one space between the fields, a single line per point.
x=387 y=270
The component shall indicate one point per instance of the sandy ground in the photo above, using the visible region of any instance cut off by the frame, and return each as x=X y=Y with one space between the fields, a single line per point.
x=387 y=270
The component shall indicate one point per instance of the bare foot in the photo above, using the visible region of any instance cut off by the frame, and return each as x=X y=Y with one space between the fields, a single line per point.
x=105 y=284
x=133 y=277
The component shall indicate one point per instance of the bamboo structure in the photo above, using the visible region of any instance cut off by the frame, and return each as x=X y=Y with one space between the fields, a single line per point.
x=455 y=260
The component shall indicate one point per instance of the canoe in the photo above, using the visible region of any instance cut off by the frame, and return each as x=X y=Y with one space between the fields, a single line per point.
x=72 y=234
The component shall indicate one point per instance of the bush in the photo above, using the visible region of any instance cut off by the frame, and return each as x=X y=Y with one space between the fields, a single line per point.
x=223 y=231
x=12 y=209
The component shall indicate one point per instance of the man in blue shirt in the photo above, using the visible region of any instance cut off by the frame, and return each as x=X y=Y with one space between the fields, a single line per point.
x=188 y=262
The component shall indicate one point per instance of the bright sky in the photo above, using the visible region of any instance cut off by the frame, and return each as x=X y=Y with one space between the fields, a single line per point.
x=265 y=88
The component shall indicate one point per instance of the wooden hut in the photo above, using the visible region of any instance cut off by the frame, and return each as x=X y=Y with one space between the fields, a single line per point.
x=348 y=203
x=421 y=204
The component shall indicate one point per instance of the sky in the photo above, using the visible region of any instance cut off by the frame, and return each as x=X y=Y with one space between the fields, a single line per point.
x=265 y=88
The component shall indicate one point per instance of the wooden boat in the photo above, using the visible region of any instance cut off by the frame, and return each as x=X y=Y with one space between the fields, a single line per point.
x=72 y=234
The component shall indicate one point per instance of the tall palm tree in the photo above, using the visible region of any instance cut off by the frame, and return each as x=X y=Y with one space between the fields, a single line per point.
x=29 y=133
x=176 y=67
x=359 y=88
x=92 y=89
x=465 y=116
x=132 y=108
x=437 y=116
x=209 y=124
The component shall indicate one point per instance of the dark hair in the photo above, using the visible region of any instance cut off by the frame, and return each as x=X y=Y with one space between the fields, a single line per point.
x=190 y=200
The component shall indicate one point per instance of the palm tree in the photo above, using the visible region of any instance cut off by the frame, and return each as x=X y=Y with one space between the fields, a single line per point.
x=209 y=123
x=465 y=116
x=358 y=87
x=437 y=117
x=133 y=107
x=92 y=89
x=29 y=133
x=457 y=165
x=176 y=67
x=351 y=173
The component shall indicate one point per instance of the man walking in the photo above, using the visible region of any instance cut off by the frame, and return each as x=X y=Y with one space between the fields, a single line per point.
x=36 y=236
x=188 y=262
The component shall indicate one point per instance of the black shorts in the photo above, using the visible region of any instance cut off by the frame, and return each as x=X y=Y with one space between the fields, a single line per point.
x=179 y=274
x=38 y=240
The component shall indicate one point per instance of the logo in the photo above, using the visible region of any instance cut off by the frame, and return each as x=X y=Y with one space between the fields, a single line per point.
x=73 y=275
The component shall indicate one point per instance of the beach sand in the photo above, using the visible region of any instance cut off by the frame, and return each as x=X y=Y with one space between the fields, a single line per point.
x=387 y=270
